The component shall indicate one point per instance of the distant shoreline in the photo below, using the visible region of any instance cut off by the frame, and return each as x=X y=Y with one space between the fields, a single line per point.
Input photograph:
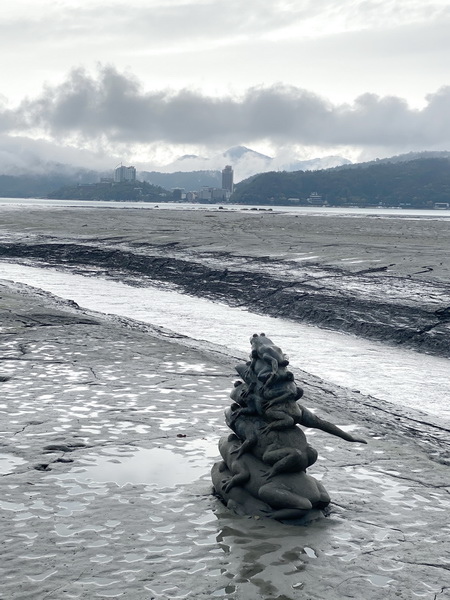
x=394 y=212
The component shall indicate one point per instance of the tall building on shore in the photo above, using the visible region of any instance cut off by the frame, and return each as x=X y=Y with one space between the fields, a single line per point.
x=227 y=178
x=124 y=174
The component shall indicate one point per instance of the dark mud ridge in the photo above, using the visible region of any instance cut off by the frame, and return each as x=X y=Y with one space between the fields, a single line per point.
x=343 y=301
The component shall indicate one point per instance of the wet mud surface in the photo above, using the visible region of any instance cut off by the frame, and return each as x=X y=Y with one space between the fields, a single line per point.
x=109 y=430
x=384 y=279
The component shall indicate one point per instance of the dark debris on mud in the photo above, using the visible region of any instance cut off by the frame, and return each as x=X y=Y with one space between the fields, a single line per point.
x=349 y=306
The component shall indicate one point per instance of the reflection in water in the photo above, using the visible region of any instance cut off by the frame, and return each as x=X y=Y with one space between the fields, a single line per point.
x=8 y=463
x=150 y=466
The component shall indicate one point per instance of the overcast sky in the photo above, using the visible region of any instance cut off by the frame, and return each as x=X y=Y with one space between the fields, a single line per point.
x=148 y=80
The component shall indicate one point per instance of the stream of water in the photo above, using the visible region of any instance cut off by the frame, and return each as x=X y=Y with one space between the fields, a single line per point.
x=393 y=374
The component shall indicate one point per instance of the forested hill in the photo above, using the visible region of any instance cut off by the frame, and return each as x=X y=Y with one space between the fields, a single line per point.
x=417 y=183
x=127 y=190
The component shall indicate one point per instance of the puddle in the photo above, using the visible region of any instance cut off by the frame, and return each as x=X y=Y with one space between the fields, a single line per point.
x=8 y=463
x=380 y=580
x=310 y=552
x=161 y=467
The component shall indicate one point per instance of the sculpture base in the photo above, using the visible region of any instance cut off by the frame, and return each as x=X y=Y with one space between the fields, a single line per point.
x=247 y=486
x=242 y=503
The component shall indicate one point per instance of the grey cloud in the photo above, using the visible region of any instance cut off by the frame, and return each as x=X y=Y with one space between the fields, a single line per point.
x=115 y=107
x=9 y=119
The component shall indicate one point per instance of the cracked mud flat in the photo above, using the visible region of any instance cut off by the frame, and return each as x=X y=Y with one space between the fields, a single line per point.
x=382 y=278
x=109 y=430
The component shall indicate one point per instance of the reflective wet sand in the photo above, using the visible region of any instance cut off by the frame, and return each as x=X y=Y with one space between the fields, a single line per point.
x=108 y=435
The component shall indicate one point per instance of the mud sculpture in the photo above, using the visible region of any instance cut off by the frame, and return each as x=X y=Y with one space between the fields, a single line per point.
x=263 y=471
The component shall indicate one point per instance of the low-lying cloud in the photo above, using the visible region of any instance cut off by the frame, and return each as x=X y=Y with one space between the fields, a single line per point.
x=114 y=107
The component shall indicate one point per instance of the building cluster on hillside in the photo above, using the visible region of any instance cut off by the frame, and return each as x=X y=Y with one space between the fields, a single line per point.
x=205 y=194
x=122 y=174
x=209 y=194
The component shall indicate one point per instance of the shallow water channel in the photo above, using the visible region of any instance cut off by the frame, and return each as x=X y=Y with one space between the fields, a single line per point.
x=393 y=374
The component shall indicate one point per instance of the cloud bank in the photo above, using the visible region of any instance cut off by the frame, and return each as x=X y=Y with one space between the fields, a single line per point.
x=113 y=106
x=108 y=115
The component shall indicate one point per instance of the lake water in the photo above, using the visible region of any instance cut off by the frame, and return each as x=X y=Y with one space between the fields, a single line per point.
x=393 y=374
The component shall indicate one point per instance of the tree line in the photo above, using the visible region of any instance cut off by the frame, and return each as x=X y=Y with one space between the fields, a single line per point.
x=417 y=183
x=125 y=191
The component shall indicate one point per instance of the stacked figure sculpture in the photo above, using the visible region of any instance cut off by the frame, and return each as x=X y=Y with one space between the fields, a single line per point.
x=263 y=471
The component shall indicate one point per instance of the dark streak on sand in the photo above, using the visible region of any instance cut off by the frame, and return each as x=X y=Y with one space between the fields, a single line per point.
x=329 y=296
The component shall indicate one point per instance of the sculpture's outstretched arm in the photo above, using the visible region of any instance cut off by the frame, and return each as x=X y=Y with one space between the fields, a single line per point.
x=311 y=420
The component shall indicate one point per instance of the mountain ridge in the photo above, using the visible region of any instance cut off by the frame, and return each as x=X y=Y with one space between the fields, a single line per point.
x=57 y=175
x=405 y=182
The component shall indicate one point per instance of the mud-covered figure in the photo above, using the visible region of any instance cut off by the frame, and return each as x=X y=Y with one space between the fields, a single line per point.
x=266 y=358
x=281 y=497
x=280 y=403
x=284 y=451
x=263 y=471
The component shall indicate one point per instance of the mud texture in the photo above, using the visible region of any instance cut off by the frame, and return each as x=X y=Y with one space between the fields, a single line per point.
x=83 y=396
x=384 y=279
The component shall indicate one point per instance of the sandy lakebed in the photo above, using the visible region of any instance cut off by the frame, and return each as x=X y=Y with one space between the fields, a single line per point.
x=110 y=426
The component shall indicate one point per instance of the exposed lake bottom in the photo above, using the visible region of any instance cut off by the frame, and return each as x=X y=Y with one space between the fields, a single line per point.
x=111 y=409
x=393 y=374
x=109 y=431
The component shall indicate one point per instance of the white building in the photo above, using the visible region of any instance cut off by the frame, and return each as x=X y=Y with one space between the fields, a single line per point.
x=211 y=194
x=124 y=174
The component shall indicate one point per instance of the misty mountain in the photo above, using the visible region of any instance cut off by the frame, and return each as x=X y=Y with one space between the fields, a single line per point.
x=27 y=174
x=190 y=180
x=240 y=158
x=412 y=182
x=316 y=164
x=399 y=158
x=247 y=162
x=237 y=153
x=52 y=176
x=41 y=185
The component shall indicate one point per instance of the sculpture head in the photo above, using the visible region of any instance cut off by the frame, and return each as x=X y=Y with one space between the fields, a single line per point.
x=256 y=335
